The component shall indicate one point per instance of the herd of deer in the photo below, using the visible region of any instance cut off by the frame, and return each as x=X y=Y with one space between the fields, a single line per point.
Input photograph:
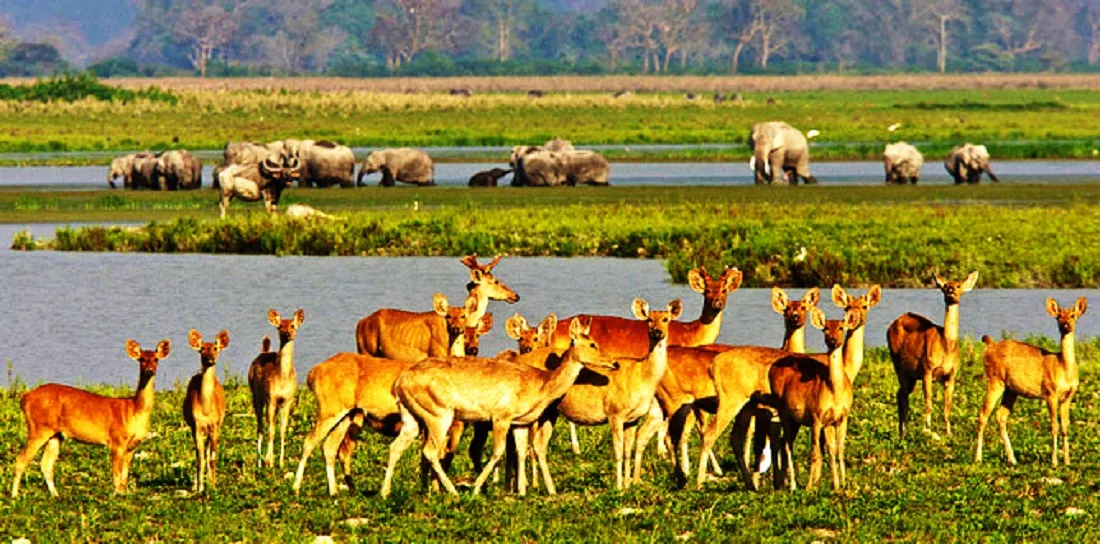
x=417 y=376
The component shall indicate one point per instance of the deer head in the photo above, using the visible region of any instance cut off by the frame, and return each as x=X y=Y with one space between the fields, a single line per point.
x=953 y=290
x=455 y=316
x=208 y=351
x=714 y=291
x=148 y=359
x=288 y=328
x=860 y=304
x=1067 y=317
x=530 y=338
x=658 y=320
x=836 y=330
x=585 y=349
x=472 y=335
x=794 y=313
x=481 y=276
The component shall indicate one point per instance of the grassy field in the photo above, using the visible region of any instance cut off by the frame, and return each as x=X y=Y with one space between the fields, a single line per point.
x=924 y=488
x=1015 y=120
x=1017 y=236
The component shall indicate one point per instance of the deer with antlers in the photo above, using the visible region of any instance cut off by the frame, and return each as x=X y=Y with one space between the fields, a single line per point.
x=274 y=384
x=204 y=406
x=436 y=392
x=925 y=352
x=1014 y=369
x=55 y=412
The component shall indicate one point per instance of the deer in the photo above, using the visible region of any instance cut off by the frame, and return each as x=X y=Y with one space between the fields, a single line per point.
x=484 y=286
x=434 y=393
x=926 y=352
x=808 y=393
x=627 y=337
x=204 y=406
x=1014 y=369
x=54 y=412
x=530 y=338
x=274 y=384
x=355 y=389
x=413 y=336
x=740 y=377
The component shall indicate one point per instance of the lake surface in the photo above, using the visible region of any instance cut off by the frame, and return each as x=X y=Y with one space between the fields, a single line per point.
x=68 y=315
x=683 y=173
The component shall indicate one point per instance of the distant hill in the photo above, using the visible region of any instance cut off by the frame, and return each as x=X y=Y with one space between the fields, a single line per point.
x=97 y=21
x=584 y=6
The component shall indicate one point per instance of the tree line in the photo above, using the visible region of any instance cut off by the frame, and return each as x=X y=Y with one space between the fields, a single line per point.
x=487 y=37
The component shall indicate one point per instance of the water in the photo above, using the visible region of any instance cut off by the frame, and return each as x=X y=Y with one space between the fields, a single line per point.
x=68 y=315
x=683 y=173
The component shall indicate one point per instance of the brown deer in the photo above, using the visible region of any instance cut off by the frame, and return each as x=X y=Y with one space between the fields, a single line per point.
x=622 y=399
x=815 y=395
x=434 y=393
x=794 y=316
x=530 y=338
x=412 y=336
x=484 y=286
x=274 y=383
x=1014 y=369
x=740 y=376
x=204 y=406
x=55 y=412
x=925 y=352
x=471 y=336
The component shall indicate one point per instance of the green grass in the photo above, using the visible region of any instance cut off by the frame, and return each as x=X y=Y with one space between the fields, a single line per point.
x=924 y=488
x=1031 y=123
x=1018 y=236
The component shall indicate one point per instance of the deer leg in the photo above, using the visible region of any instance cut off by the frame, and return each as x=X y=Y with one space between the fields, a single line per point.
x=477 y=446
x=49 y=457
x=790 y=433
x=834 y=463
x=742 y=426
x=725 y=414
x=212 y=455
x=630 y=436
x=200 y=459
x=1052 y=407
x=948 y=401
x=700 y=422
x=270 y=415
x=926 y=384
x=34 y=443
x=905 y=388
x=815 y=455
x=655 y=421
x=500 y=444
x=117 y=463
x=1065 y=428
x=542 y=442
x=841 y=436
x=331 y=447
x=1003 y=411
x=617 y=444
x=663 y=440
x=347 y=448
x=677 y=427
x=993 y=391
x=779 y=465
x=762 y=419
x=573 y=442
x=323 y=429
x=410 y=430
x=127 y=459
x=520 y=434
x=454 y=438
x=284 y=421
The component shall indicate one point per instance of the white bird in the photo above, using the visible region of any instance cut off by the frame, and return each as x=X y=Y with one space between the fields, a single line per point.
x=893 y=127
x=812 y=133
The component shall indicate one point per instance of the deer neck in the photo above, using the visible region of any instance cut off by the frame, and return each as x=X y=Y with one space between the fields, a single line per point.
x=209 y=378
x=951 y=328
x=143 y=398
x=794 y=340
x=1069 y=354
x=837 y=376
x=853 y=352
x=657 y=361
x=482 y=305
x=458 y=346
x=286 y=358
x=562 y=378
x=704 y=330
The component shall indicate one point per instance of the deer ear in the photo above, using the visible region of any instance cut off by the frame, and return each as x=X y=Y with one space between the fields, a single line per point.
x=164 y=348
x=817 y=317
x=133 y=349
x=677 y=308
x=874 y=296
x=812 y=297
x=513 y=326
x=486 y=324
x=779 y=300
x=1052 y=307
x=299 y=317
x=470 y=305
x=440 y=305
x=1080 y=306
x=733 y=278
x=273 y=317
x=696 y=281
x=470 y=261
x=970 y=282
x=548 y=326
x=194 y=339
x=840 y=296
x=222 y=339
x=576 y=330
x=641 y=309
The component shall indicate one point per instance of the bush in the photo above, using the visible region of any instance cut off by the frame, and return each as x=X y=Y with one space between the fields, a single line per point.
x=73 y=87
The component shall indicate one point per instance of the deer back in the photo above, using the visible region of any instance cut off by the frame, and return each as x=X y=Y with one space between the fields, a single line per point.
x=1027 y=370
x=403 y=335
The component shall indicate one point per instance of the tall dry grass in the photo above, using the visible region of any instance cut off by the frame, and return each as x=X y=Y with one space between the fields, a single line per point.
x=632 y=83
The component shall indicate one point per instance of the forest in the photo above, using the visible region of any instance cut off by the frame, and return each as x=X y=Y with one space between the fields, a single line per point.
x=524 y=37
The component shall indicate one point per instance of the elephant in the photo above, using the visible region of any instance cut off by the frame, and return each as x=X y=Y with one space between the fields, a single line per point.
x=967 y=162
x=584 y=166
x=405 y=165
x=488 y=178
x=777 y=147
x=178 y=169
x=324 y=163
x=540 y=168
x=902 y=162
x=263 y=180
x=558 y=145
x=121 y=167
x=521 y=150
x=143 y=173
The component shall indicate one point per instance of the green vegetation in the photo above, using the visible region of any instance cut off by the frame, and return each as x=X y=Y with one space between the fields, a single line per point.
x=74 y=87
x=1030 y=123
x=1017 y=236
x=924 y=488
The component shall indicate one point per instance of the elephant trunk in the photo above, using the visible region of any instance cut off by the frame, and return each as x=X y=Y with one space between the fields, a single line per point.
x=763 y=167
x=992 y=176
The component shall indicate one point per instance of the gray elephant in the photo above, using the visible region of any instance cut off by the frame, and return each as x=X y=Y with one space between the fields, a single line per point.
x=324 y=163
x=519 y=151
x=178 y=170
x=967 y=162
x=902 y=162
x=121 y=167
x=405 y=165
x=143 y=172
x=584 y=166
x=559 y=145
x=779 y=147
x=488 y=178
x=539 y=169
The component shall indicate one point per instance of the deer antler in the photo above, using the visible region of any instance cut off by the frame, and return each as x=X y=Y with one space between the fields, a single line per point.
x=470 y=261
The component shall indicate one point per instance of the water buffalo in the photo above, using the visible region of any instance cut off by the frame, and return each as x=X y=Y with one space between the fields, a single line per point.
x=251 y=182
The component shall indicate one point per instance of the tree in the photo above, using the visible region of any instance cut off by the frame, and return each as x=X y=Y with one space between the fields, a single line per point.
x=678 y=23
x=776 y=24
x=738 y=22
x=407 y=27
x=623 y=28
x=205 y=27
x=939 y=13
